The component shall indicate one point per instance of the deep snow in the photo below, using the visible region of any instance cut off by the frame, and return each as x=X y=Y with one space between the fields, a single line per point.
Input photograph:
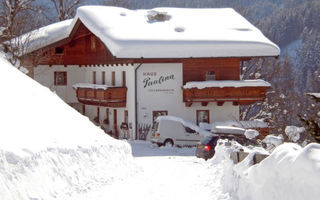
x=47 y=149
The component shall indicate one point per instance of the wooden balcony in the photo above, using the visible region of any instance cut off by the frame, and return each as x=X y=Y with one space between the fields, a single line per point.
x=237 y=95
x=112 y=97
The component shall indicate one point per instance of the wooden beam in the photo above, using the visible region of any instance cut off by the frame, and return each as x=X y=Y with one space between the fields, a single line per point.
x=220 y=103
x=204 y=103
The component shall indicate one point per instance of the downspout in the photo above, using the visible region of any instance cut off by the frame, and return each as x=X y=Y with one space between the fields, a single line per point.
x=136 y=98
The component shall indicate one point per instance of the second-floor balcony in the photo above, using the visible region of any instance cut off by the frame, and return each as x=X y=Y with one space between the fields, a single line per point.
x=239 y=92
x=101 y=95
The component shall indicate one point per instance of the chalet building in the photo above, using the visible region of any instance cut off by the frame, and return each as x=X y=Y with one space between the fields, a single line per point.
x=123 y=68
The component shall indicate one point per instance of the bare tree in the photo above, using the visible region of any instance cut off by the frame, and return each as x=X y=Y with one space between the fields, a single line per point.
x=16 y=18
x=118 y=3
x=65 y=9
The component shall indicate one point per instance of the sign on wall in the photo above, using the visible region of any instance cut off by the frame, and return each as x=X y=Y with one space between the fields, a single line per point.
x=156 y=82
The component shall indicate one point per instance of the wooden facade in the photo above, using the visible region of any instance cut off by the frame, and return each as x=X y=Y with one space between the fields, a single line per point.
x=224 y=68
x=112 y=97
x=240 y=95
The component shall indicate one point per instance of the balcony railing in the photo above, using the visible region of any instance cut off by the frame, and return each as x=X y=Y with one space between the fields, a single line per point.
x=109 y=97
x=239 y=95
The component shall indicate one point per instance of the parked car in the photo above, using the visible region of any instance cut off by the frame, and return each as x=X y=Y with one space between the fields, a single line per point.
x=168 y=132
x=206 y=148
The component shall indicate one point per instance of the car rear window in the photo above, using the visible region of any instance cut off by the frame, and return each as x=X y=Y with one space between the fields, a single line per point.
x=207 y=140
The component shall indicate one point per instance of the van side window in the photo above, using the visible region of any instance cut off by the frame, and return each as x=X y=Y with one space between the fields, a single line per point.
x=189 y=130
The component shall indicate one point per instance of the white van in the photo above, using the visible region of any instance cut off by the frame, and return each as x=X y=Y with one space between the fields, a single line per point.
x=168 y=132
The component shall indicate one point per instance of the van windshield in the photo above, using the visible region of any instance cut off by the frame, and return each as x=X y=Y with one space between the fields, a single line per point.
x=155 y=125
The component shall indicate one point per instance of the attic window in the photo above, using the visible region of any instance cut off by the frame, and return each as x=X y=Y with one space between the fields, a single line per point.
x=155 y=16
x=210 y=76
x=59 y=50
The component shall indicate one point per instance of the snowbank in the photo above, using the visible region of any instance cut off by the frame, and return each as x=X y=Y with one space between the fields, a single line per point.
x=170 y=32
x=222 y=84
x=186 y=124
x=47 y=149
x=290 y=172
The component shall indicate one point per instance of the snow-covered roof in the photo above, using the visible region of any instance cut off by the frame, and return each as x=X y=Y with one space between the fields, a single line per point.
x=241 y=124
x=46 y=35
x=226 y=83
x=170 y=32
x=315 y=95
x=228 y=129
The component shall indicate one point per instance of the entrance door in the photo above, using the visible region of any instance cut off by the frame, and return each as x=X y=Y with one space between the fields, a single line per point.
x=115 y=128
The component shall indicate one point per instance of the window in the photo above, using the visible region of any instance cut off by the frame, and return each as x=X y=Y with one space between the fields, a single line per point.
x=60 y=78
x=189 y=130
x=94 y=78
x=156 y=114
x=123 y=78
x=103 y=78
x=113 y=79
x=210 y=76
x=203 y=116
x=59 y=50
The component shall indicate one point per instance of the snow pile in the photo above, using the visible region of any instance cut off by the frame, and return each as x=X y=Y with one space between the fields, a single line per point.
x=186 y=124
x=47 y=149
x=251 y=134
x=290 y=172
x=168 y=32
x=294 y=132
x=226 y=83
x=272 y=141
x=90 y=86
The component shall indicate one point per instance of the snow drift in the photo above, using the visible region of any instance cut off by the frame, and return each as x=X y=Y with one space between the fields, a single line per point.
x=290 y=172
x=47 y=149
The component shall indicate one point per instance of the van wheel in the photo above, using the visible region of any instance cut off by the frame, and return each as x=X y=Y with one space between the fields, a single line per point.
x=168 y=143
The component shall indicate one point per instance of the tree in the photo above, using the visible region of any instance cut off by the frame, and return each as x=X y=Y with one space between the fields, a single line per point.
x=16 y=18
x=66 y=9
x=118 y=3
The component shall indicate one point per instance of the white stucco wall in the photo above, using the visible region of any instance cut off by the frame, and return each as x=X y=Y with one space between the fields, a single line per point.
x=151 y=94
x=168 y=96
x=44 y=74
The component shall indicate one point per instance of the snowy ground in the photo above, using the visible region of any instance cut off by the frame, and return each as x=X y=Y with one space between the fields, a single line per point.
x=165 y=173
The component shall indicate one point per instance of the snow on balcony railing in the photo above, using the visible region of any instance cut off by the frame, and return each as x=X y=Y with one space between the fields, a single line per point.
x=90 y=86
x=226 y=83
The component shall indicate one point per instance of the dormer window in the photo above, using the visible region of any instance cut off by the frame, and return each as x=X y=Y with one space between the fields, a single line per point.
x=59 y=50
x=210 y=76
